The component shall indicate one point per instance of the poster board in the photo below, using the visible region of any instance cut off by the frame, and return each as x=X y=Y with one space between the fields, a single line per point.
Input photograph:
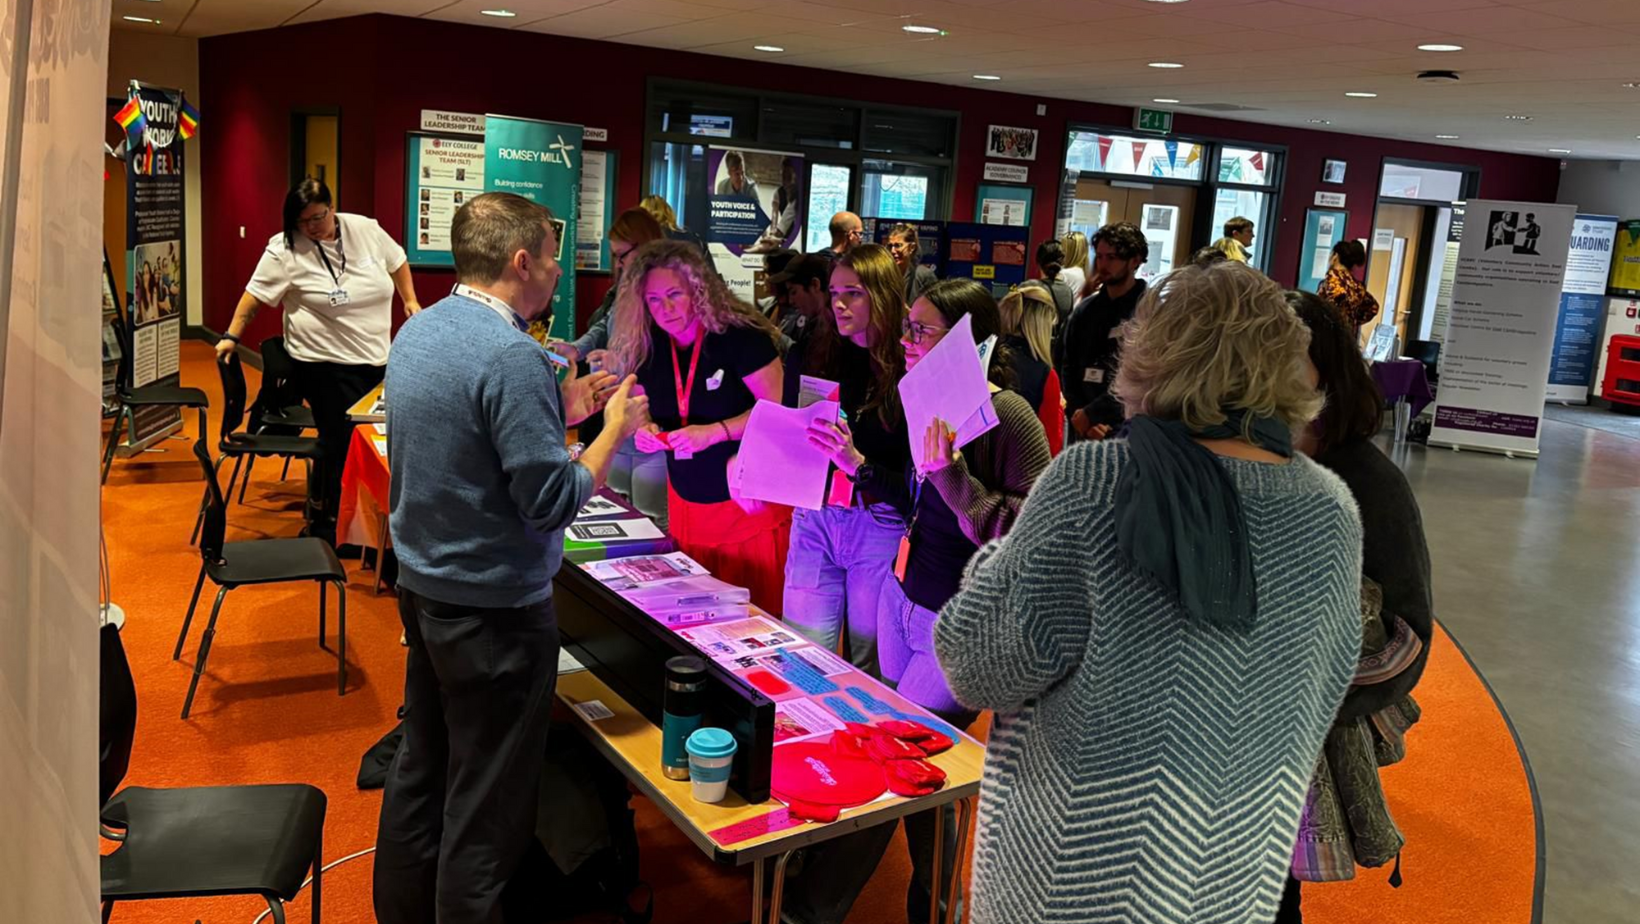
x=1323 y=230
x=930 y=236
x=1505 y=299
x=599 y=170
x=155 y=228
x=1582 y=309
x=992 y=254
x=1002 y=204
x=441 y=172
x=755 y=205
x=541 y=161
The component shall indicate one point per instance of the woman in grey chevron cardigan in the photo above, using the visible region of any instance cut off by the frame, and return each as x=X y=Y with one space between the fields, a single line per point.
x=1166 y=634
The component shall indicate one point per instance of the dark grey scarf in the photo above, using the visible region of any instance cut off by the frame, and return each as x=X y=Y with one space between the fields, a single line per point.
x=1179 y=517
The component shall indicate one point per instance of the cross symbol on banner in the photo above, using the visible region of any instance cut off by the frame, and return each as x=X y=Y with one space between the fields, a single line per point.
x=563 y=150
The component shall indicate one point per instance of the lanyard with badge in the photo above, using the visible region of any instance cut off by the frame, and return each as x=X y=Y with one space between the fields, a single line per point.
x=338 y=295
x=685 y=387
x=903 y=556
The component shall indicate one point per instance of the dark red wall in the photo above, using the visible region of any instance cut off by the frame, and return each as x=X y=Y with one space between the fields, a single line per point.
x=380 y=71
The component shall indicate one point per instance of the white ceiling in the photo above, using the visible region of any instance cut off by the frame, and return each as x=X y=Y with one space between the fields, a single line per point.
x=1563 y=62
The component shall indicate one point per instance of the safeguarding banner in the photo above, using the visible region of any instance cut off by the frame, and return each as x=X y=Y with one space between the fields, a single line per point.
x=755 y=205
x=154 y=286
x=541 y=161
x=1582 y=308
x=1505 y=298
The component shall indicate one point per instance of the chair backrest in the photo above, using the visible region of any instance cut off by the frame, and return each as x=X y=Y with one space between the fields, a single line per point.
x=117 y=715
x=216 y=507
x=276 y=361
x=1427 y=352
x=277 y=392
x=233 y=394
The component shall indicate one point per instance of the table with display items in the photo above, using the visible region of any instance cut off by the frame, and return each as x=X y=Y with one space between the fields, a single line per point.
x=817 y=702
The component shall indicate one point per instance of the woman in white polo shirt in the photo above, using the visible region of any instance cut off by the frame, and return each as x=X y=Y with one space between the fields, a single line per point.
x=335 y=274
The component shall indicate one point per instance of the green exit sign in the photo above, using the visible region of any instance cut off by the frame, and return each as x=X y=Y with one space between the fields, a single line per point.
x=1153 y=120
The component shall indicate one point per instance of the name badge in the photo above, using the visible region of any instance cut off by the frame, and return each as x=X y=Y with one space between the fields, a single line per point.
x=715 y=381
x=682 y=455
x=338 y=298
x=1093 y=376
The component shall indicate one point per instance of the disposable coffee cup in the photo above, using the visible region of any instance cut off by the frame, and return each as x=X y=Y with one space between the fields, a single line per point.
x=711 y=752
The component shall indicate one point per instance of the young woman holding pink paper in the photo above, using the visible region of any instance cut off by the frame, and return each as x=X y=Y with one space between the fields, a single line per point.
x=842 y=554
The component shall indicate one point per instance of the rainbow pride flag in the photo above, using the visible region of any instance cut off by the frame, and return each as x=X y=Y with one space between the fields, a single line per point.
x=130 y=117
x=188 y=121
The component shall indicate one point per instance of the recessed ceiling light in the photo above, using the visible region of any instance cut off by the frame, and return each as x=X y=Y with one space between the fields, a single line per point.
x=986 y=77
x=1439 y=47
x=1167 y=1
x=140 y=19
x=1320 y=121
x=1163 y=99
x=1166 y=64
x=924 y=30
x=1560 y=150
x=1360 y=94
x=768 y=48
x=499 y=14
x=1632 y=85
x=1517 y=118
x=1448 y=137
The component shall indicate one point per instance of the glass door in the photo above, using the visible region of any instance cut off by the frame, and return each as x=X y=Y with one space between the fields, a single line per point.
x=828 y=194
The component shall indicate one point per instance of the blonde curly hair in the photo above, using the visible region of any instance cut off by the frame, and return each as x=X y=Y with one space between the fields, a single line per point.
x=1209 y=339
x=710 y=299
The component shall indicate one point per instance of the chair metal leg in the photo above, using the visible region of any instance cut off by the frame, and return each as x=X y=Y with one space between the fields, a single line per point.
x=778 y=896
x=250 y=466
x=188 y=620
x=938 y=850
x=277 y=908
x=757 y=892
x=107 y=910
x=227 y=496
x=341 y=639
x=321 y=614
x=284 y=475
x=204 y=652
x=113 y=442
x=965 y=817
x=318 y=875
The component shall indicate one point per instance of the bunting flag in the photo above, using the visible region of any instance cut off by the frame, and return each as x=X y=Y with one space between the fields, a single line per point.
x=1195 y=155
x=188 y=121
x=1172 y=153
x=1156 y=168
x=1105 y=142
x=130 y=117
x=1257 y=160
x=1138 y=156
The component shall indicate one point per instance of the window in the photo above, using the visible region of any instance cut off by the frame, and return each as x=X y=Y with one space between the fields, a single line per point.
x=674 y=170
x=1246 y=166
x=909 y=132
x=903 y=191
x=809 y=126
x=828 y=195
x=1405 y=181
x=1155 y=158
x=1243 y=203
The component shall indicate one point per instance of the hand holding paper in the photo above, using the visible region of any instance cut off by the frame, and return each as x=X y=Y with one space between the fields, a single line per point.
x=949 y=384
x=835 y=441
x=777 y=463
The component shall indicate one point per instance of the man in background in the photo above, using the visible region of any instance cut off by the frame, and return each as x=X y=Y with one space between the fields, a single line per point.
x=1237 y=242
x=1091 y=343
x=482 y=488
x=800 y=290
x=847 y=233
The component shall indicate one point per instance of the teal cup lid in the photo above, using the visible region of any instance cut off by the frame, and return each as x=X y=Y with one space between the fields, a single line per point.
x=710 y=742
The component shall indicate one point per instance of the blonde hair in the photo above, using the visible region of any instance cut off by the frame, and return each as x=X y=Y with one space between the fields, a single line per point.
x=710 y=300
x=660 y=210
x=1029 y=311
x=1206 y=339
x=1075 y=246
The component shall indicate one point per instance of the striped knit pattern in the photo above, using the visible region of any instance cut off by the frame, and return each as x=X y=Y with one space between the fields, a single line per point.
x=1143 y=767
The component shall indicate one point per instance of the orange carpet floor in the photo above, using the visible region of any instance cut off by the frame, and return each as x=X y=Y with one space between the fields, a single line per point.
x=267 y=711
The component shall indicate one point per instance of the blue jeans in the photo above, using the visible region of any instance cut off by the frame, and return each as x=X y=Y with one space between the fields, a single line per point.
x=640 y=477
x=840 y=558
x=905 y=648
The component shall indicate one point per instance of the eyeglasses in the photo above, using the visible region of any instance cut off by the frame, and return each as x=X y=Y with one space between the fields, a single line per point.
x=309 y=222
x=916 y=331
x=897 y=246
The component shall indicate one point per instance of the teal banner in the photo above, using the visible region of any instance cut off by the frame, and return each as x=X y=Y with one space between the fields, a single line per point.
x=541 y=161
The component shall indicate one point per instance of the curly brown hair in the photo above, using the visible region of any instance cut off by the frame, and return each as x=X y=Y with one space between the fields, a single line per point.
x=711 y=301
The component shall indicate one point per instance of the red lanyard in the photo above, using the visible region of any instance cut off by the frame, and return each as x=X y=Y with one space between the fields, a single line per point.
x=685 y=390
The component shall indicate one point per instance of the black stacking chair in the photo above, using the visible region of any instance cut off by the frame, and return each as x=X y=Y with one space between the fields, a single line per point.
x=129 y=398
x=1427 y=352
x=247 y=446
x=263 y=561
x=200 y=841
x=278 y=408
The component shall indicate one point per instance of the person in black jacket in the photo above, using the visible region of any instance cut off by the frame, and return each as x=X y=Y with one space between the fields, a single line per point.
x=1090 y=343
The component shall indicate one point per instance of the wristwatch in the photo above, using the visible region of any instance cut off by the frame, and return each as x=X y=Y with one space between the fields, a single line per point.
x=863 y=474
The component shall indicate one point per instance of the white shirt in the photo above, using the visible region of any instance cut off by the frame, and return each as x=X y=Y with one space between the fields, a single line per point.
x=355 y=333
x=1074 y=277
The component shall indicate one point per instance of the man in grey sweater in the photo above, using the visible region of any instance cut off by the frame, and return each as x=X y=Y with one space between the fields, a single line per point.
x=482 y=488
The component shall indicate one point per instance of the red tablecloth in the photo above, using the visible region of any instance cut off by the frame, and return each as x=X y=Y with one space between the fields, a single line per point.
x=366 y=470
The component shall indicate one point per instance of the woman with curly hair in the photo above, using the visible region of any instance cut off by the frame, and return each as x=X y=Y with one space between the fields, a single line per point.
x=1166 y=633
x=704 y=358
x=843 y=553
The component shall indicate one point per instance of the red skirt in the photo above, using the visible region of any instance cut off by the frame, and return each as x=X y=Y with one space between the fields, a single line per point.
x=745 y=549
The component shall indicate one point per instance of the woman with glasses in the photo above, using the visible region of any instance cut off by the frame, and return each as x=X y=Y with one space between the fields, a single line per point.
x=335 y=274
x=843 y=553
x=907 y=253
x=641 y=477
x=954 y=502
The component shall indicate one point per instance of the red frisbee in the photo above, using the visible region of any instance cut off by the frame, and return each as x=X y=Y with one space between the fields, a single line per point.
x=811 y=771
